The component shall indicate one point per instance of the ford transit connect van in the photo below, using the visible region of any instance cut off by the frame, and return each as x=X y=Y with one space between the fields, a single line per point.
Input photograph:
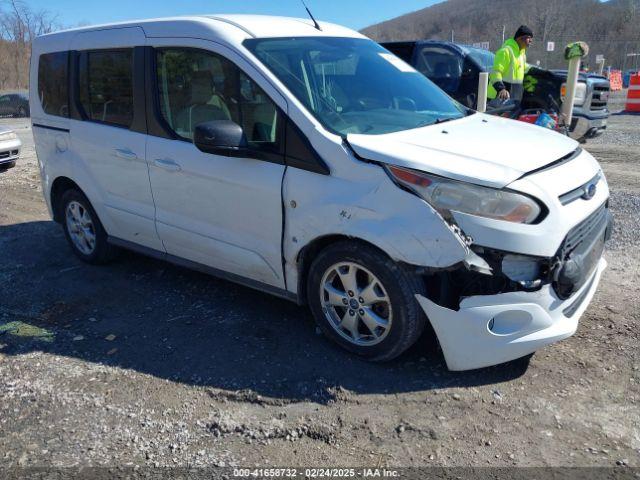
x=313 y=164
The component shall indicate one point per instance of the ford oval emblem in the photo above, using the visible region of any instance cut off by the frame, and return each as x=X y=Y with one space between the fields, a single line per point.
x=589 y=191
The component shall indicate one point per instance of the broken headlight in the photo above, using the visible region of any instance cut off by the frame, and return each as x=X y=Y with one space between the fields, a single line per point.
x=521 y=268
x=447 y=195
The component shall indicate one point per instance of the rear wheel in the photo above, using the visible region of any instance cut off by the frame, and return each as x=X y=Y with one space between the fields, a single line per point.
x=83 y=229
x=365 y=301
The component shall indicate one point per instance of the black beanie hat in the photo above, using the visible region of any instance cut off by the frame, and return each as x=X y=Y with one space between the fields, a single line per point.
x=522 y=31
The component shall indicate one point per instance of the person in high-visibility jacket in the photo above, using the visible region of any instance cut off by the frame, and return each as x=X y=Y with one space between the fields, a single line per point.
x=506 y=80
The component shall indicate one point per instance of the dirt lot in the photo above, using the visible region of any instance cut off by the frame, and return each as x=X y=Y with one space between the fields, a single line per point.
x=143 y=363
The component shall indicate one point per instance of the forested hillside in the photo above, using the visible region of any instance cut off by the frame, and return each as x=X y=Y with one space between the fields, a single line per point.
x=610 y=28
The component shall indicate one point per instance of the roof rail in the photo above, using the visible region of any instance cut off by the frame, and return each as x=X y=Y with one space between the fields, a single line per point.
x=235 y=24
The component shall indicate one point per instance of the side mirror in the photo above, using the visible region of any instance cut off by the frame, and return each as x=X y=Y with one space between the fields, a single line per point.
x=220 y=137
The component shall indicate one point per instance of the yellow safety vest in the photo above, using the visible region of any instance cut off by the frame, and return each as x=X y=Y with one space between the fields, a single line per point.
x=509 y=67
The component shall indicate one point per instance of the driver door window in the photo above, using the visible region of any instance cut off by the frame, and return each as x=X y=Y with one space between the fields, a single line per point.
x=196 y=86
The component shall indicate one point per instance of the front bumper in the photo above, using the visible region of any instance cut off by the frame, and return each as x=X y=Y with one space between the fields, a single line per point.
x=492 y=329
x=588 y=124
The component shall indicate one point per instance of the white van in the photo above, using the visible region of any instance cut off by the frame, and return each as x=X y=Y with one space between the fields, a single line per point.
x=308 y=162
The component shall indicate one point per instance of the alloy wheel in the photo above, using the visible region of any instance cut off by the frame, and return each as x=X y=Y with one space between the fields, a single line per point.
x=356 y=304
x=80 y=226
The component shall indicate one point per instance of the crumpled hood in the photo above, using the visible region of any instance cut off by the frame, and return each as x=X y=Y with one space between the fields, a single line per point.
x=481 y=149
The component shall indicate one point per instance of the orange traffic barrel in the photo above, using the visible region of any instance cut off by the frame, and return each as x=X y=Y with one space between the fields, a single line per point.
x=633 y=95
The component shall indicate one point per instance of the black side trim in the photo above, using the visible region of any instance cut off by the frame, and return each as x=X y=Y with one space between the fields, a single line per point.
x=139 y=123
x=299 y=153
x=75 y=110
x=156 y=126
x=57 y=129
x=232 y=277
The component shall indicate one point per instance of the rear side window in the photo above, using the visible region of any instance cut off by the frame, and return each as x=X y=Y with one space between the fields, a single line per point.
x=106 y=86
x=442 y=66
x=53 y=83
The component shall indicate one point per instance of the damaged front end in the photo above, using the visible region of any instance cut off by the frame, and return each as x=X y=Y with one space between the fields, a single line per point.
x=497 y=306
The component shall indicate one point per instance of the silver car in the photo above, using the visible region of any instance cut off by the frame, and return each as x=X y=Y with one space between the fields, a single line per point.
x=9 y=148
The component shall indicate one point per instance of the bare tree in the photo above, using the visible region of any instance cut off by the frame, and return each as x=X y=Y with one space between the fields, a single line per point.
x=19 y=25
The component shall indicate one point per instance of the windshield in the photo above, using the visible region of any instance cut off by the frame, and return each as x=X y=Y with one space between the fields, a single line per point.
x=484 y=58
x=354 y=85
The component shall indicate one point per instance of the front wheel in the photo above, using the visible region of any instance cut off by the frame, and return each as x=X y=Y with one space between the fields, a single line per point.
x=365 y=301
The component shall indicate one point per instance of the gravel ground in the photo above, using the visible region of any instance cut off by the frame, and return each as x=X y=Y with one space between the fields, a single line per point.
x=141 y=363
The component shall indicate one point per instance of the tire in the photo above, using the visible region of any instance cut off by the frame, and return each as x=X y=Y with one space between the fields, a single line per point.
x=405 y=320
x=79 y=220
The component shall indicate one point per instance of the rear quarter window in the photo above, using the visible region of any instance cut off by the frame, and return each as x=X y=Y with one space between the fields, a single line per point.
x=53 y=83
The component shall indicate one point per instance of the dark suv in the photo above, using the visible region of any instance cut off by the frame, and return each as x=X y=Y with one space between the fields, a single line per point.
x=456 y=70
x=14 y=104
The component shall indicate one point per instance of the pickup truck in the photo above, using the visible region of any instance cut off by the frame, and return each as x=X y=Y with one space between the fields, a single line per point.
x=456 y=68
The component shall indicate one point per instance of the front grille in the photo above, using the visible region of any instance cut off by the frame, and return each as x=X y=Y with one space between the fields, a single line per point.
x=582 y=231
x=579 y=254
x=8 y=154
x=600 y=97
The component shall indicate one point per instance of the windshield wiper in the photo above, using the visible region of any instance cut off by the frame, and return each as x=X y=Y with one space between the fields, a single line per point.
x=443 y=120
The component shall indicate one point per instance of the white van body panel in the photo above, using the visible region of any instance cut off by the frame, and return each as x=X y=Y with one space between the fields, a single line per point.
x=253 y=218
x=222 y=212
x=481 y=149
x=109 y=37
x=115 y=157
x=359 y=201
x=51 y=145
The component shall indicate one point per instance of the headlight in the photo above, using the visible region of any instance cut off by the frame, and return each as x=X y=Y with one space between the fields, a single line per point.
x=7 y=136
x=580 y=95
x=446 y=196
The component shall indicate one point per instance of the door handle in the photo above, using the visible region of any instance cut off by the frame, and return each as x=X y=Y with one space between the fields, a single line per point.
x=125 y=154
x=169 y=165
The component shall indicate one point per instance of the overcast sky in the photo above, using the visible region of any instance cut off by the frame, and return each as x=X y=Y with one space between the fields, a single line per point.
x=355 y=14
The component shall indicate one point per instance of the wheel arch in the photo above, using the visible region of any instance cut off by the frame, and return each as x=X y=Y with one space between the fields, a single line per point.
x=59 y=186
x=311 y=250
